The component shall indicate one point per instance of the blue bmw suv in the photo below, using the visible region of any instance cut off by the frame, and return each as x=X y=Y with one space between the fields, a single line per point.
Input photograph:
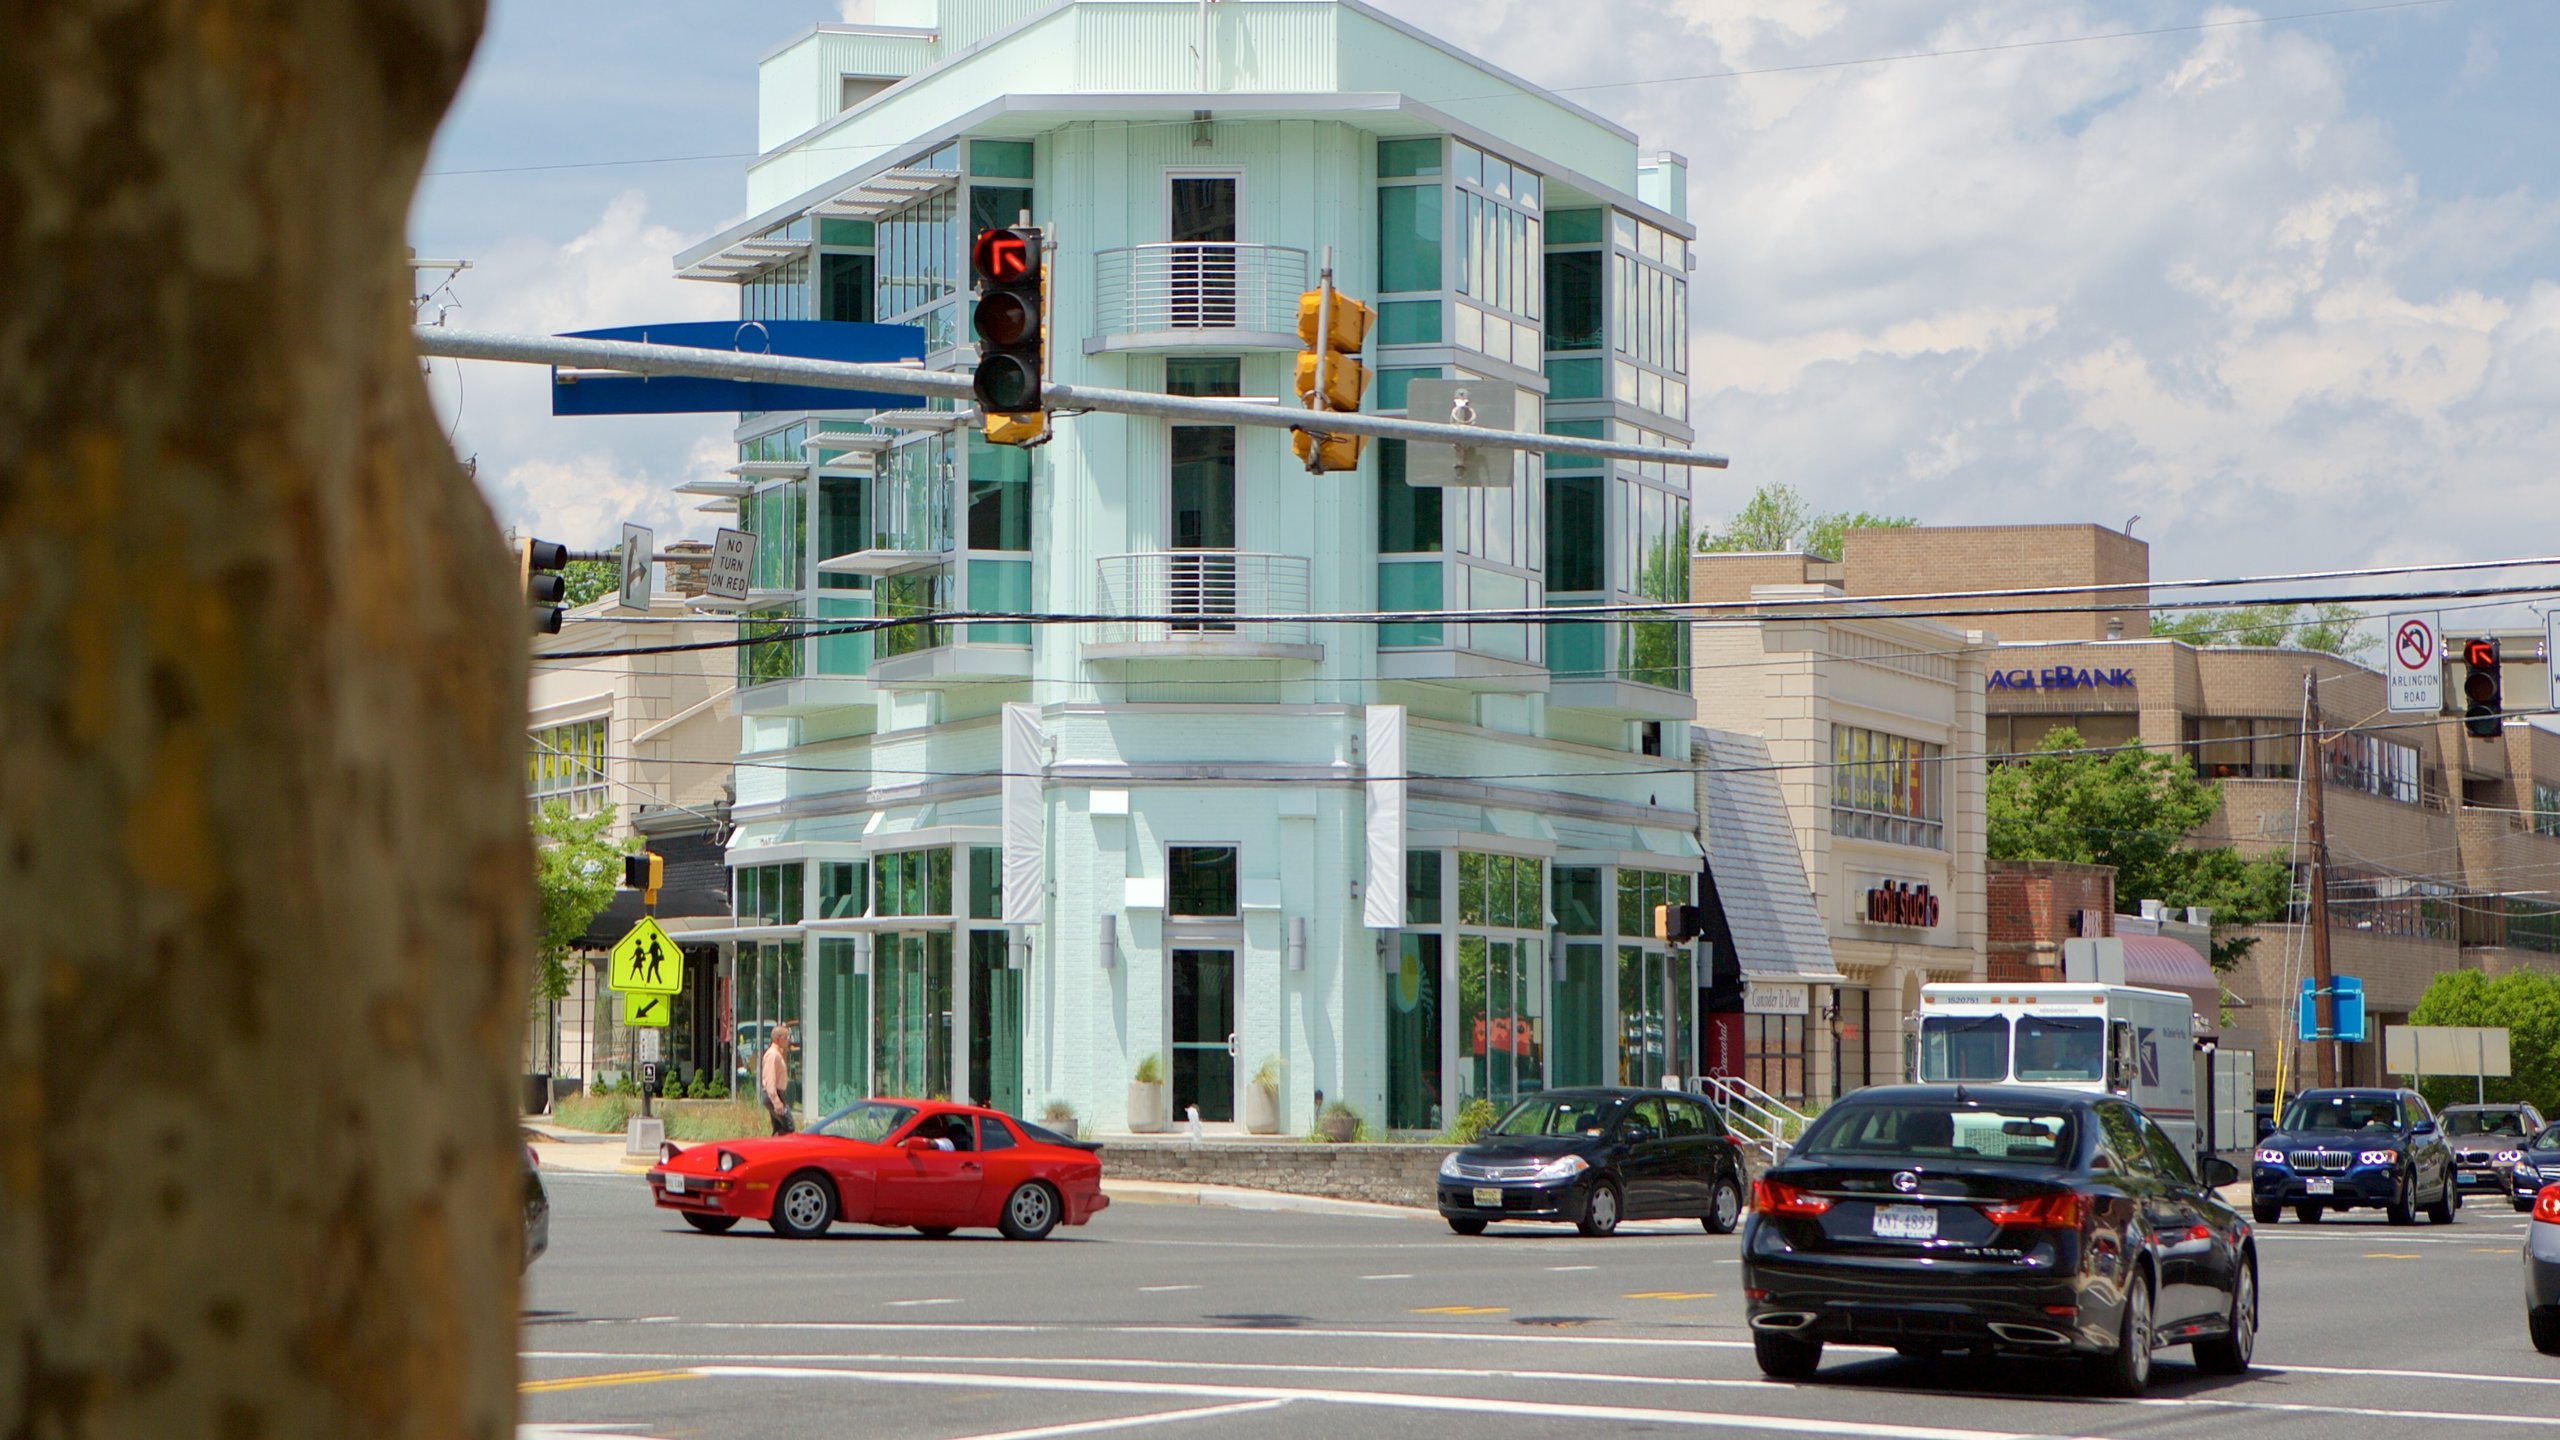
x=2355 y=1149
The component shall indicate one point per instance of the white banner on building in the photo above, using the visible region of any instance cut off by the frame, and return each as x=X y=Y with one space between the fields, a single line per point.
x=1383 y=896
x=1026 y=870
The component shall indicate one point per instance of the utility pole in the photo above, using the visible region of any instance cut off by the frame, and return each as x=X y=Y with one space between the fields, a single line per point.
x=2324 y=1000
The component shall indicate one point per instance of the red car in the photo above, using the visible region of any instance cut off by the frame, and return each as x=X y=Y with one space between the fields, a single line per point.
x=929 y=1164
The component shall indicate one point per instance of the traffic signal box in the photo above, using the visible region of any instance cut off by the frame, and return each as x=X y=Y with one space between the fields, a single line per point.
x=538 y=567
x=2481 y=690
x=1330 y=376
x=1011 y=327
x=1677 y=924
x=644 y=871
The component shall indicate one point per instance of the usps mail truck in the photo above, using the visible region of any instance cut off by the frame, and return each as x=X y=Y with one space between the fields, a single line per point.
x=2103 y=1039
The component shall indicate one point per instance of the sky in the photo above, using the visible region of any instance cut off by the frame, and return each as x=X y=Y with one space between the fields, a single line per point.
x=2287 y=289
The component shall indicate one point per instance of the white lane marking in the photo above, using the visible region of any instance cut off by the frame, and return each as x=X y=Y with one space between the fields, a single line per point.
x=1129 y=1422
x=1386 y=1277
x=1161 y=1289
x=1560 y=1268
x=905 y=1303
x=1372 y=1399
x=2410 y=1374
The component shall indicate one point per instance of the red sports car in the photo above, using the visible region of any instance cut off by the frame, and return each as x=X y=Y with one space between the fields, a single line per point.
x=930 y=1164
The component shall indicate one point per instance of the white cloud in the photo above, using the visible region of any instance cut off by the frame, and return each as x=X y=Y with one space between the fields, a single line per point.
x=578 y=479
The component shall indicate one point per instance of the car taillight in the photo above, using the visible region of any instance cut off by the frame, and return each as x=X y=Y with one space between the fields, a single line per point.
x=2064 y=1211
x=1770 y=1197
x=2546 y=1206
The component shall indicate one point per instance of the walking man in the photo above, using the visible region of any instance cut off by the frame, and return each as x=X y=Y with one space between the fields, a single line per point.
x=774 y=1079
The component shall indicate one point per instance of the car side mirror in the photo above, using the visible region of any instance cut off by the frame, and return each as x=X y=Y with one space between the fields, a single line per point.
x=915 y=1142
x=2219 y=1172
x=1639 y=1134
x=2423 y=1128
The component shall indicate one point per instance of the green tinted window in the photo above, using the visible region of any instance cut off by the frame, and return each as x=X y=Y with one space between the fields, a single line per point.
x=1409 y=238
x=1010 y=159
x=1409 y=322
x=1408 y=518
x=1399 y=159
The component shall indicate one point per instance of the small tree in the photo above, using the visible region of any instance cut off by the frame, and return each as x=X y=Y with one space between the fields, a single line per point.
x=2527 y=1004
x=585 y=580
x=576 y=871
x=2132 y=808
x=2328 y=629
x=1777 y=518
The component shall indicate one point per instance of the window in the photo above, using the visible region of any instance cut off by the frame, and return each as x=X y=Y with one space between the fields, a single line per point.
x=844 y=889
x=777 y=292
x=845 y=287
x=1422 y=887
x=994 y=1134
x=1577 y=889
x=2061 y=1048
x=1650 y=310
x=1577 y=534
x=1007 y=159
x=2228 y=747
x=1200 y=880
x=1773 y=1054
x=2546 y=809
x=768 y=894
x=999 y=497
x=1657 y=987
x=1886 y=787
x=1574 y=301
x=2379 y=902
x=1204 y=487
x=1409 y=237
x=1963 y=1047
x=566 y=764
x=986 y=883
x=912 y=882
x=2376 y=766
x=1408 y=516
x=1214 y=376
x=1500 y=247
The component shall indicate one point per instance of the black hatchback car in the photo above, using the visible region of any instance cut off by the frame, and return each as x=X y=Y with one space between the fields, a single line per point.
x=1591 y=1158
x=1934 y=1218
x=2346 y=1149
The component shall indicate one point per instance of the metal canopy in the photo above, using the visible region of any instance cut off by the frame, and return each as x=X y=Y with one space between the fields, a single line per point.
x=631 y=357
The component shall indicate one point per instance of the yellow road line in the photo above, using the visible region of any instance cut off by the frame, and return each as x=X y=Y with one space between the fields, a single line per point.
x=1464 y=1310
x=619 y=1377
x=1672 y=1295
x=2387 y=1255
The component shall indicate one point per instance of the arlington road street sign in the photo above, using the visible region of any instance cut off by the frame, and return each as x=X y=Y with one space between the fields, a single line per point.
x=646 y=1010
x=647 y=962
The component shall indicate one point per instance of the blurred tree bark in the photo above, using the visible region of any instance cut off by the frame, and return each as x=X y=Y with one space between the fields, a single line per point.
x=265 y=885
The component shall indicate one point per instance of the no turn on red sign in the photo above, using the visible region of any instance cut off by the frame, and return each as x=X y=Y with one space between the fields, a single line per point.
x=2415 y=666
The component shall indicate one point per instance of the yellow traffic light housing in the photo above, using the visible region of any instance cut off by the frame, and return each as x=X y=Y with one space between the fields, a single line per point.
x=1032 y=429
x=1330 y=377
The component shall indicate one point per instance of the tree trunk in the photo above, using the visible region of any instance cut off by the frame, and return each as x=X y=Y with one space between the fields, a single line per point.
x=265 y=881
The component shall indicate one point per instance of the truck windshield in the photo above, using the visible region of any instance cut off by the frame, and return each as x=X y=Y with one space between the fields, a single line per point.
x=2057 y=1048
x=1964 y=1047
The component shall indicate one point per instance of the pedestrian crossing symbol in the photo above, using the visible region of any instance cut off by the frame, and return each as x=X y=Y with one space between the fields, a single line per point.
x=647 y=962
x=644 y=1010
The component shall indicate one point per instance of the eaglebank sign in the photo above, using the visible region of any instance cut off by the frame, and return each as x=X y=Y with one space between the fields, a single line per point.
x=2059 y=677
x=1894 y=902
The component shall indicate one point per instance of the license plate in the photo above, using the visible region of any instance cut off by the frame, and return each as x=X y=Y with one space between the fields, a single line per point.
x=675 y=1183
x=2322 y=1187
x=1906 y=1222
x=1489 y=1197
x=2469 y=1178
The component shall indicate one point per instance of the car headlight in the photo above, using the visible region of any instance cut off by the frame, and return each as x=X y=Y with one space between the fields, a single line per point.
x=1449 y=1166
x=2510 y=1157
x=1563 y=1169
x=2377 y=1157
x=728 y=1161
x=2270 y=1157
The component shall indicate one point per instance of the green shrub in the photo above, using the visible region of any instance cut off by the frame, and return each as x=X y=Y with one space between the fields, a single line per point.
x=1060 y=1116
x=1474 y=1118
x=1151 y=1069
x=603 y=1114
x=735 y=1120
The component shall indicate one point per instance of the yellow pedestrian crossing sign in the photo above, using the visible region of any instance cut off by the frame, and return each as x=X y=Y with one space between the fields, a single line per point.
x=646 y=1010
x=646 y=961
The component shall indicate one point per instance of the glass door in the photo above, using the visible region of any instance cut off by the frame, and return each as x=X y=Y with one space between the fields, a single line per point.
x=911 y=1015
x=1655 y=998
x=1581 y=1026
x=1201 y=221
x=1503 y=1057
x=1204 y=1033
x=995 y=1024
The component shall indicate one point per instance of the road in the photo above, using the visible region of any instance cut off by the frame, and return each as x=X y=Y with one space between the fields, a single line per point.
x=1210 y=1324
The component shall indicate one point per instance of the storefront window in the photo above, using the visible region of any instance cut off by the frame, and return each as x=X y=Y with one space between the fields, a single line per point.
x=2227 y=747
x=1657 y=990
x=1887 y=787
x=912 y=882
x=1200 y=880
x=1773 y=1054
x=844 y=1026
x=911 y=1014
x=1501 y=975
x=1413 y=1004
x=768 y=894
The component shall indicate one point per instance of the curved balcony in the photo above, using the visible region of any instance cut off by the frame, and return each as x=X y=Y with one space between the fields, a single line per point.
x=1180 y=603
x=1196 y=296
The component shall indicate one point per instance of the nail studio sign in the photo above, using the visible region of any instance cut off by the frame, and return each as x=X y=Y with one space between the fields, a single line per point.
x=2060 y=677
x=1896 y=903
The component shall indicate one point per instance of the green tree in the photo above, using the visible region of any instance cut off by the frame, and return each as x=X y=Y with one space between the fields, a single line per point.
x=2527 y=1004
x=2132 y=808
x=576 y=871
x=2329 y=628
x=587 y=580
x=1777 y=518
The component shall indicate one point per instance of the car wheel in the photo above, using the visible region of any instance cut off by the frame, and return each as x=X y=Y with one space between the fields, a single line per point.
x=2229 y=1354
x=1724 y=1209
x=710 y=1224
x=2127 y=1372
x=1785 y=1357
x=804 y=1206
x=2544 y=1327
x=1600 y=1213
x=2307 y=1214
x=1464 y=1226
x=2403 y=1209
x=1030 y=1212
x=937 y=1232
x=2266 y=1214
x=2442 y=1212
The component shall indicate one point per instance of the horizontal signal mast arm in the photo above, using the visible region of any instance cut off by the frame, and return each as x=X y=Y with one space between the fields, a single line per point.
x=627 y=357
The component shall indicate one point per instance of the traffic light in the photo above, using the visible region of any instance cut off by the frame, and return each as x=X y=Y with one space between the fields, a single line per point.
x=2480 y=689
x=1676 y=924
x=644 y=871
x=1010 y=323
x=538 y=566
x=1330 y=376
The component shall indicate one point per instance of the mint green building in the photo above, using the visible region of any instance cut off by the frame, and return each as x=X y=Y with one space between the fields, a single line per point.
x=1402 y=865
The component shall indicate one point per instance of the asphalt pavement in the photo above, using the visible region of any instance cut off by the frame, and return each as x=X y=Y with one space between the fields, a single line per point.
x=1187 y=1320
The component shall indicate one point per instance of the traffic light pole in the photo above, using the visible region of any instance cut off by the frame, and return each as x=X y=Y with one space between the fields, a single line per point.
x=2324 y=998
x=634 y=358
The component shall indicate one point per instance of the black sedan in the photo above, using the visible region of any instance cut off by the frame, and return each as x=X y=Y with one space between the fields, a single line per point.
x=2542 y=1272
x=2350 y=1149
x=2537 y=1165
x=1591 y=1158
x=2043 y=1222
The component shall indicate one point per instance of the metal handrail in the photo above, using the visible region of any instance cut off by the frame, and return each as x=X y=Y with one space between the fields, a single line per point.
x=1197 y=285
x=1765 y=1122
x=1211 y=584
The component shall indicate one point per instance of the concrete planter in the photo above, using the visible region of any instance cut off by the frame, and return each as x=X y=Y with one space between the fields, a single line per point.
x=1261 y=1110
x=1338 y=1128
x=1146 y=1107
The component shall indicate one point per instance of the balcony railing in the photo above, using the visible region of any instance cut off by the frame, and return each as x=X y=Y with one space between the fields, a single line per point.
x=1154 y=295
x=1190 y=599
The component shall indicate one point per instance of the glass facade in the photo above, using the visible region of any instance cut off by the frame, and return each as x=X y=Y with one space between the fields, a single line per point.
x=1657 y=988
x=1501 y=979
x=566 y=763
x=1886 y=787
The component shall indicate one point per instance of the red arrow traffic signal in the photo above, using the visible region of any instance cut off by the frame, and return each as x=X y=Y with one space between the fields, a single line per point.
x=1002 y=257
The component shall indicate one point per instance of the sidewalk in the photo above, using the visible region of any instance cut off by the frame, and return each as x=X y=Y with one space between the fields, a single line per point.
x=555 y=1148
x=1229 y=1197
